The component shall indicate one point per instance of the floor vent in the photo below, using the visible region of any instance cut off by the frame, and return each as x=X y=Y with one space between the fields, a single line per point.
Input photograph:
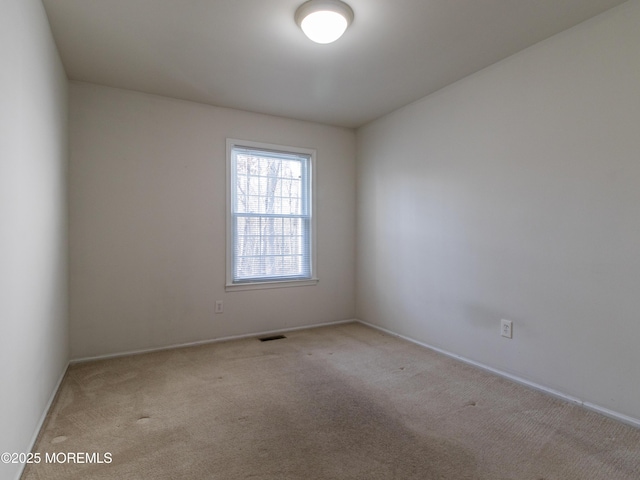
x=273 y=337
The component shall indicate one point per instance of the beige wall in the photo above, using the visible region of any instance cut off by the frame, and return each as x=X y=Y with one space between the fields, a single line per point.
x=515 y=193
x=33 y=224
x=147 y=223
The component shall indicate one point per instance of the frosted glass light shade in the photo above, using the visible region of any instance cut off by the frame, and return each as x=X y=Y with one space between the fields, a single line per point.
x=324 y=21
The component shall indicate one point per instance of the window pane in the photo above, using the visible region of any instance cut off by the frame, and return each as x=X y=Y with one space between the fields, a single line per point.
x=271 y=217
x=270 y=185
x=270 y=247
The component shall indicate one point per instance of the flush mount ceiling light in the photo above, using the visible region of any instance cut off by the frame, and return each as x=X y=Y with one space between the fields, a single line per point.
x=324 y=21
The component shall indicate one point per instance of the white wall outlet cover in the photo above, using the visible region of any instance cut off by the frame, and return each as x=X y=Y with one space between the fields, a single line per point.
x=506 y=328
x=219 y=306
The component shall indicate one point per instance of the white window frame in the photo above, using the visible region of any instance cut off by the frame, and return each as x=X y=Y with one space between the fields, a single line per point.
x=271 y=283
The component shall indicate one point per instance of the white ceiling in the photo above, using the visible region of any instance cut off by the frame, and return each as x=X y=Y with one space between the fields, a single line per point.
x=250 y=55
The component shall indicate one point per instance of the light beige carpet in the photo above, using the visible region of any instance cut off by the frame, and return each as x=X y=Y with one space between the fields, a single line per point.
x=342 y=402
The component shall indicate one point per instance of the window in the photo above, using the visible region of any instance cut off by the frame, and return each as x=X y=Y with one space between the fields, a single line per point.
x=270 y=215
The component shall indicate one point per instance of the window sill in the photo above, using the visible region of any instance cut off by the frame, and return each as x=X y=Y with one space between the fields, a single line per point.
x=236 y=287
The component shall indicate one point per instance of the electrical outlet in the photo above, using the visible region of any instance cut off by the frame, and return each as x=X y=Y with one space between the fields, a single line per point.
x=219 y=306
x=506 y=328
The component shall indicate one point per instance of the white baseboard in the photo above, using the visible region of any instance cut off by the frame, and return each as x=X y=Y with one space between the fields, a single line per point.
x=42 y=419
x=634 y=422
x=206 y=342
